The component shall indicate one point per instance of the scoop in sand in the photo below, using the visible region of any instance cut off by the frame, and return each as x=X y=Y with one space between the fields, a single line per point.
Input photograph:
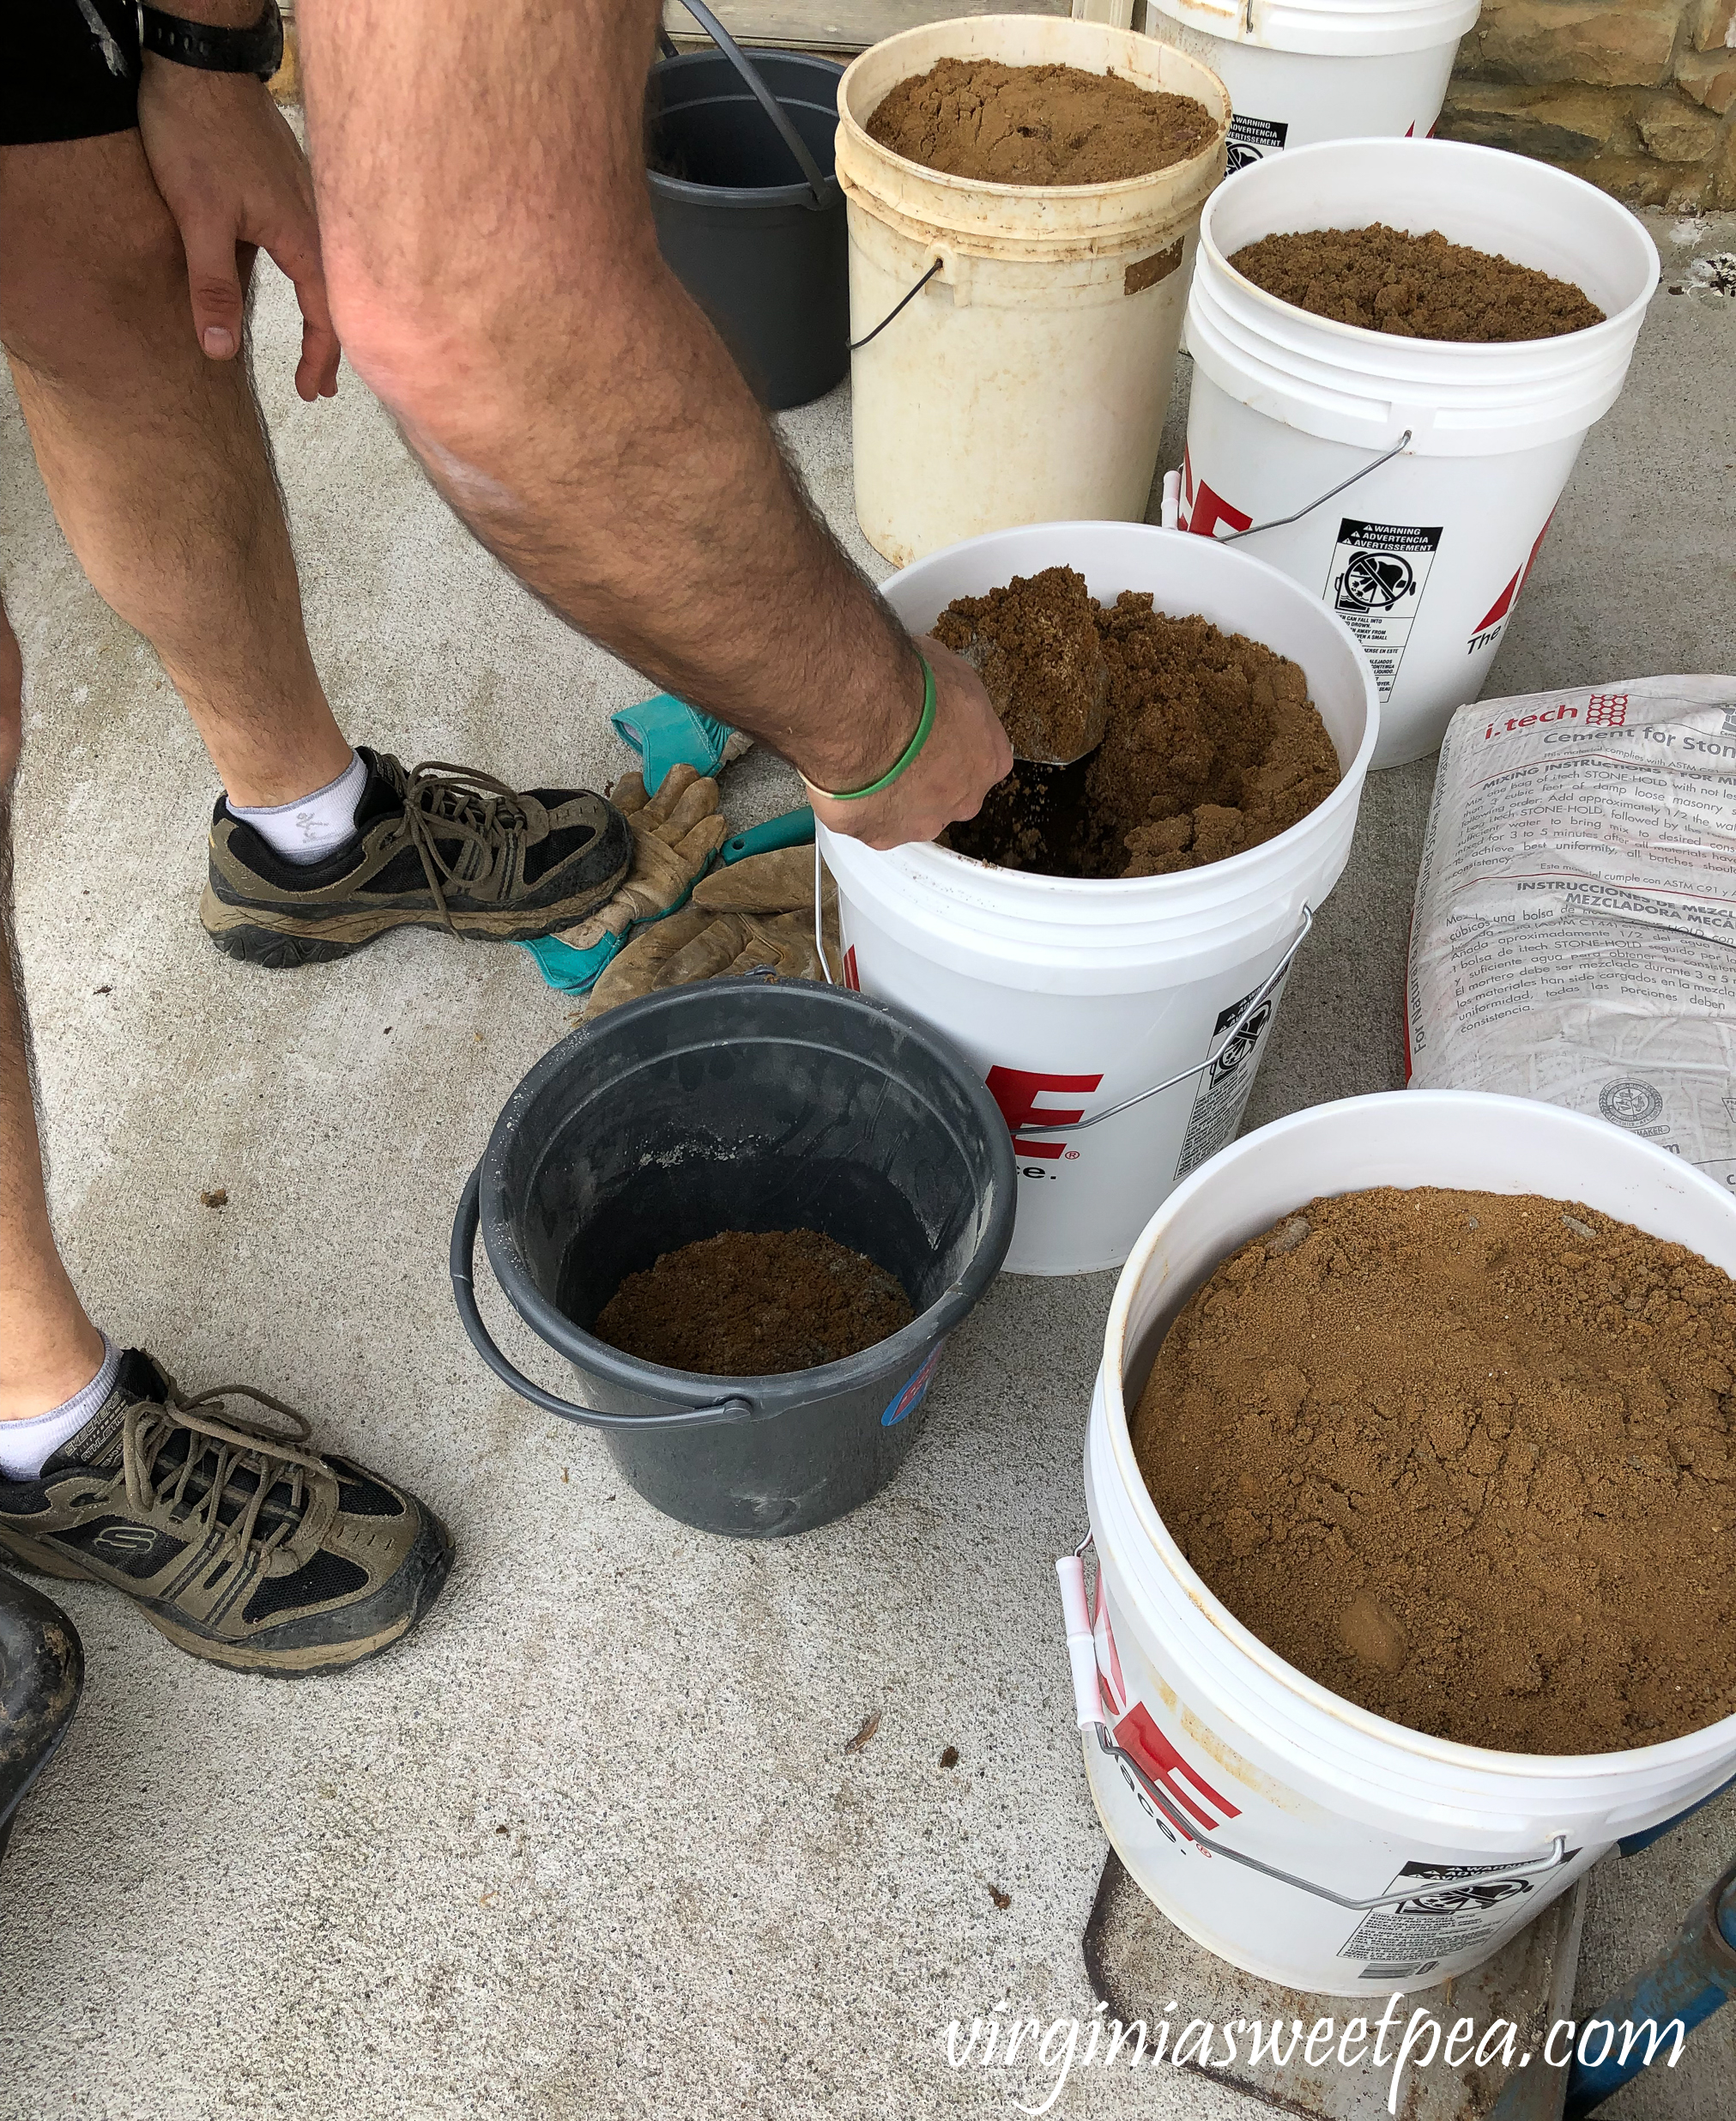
x=1054 y=705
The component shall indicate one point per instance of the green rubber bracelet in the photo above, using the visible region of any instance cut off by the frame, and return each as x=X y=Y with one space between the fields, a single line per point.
x=907 y=757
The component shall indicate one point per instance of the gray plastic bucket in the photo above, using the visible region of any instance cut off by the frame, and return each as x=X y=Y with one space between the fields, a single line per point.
x=761 y=249
x=741 y=1104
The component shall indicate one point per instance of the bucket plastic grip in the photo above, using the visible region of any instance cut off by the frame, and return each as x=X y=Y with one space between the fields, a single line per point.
x=1319 y=499
x=763 y=96
x=1263 y=993
x=1081 y=1651
x=464 y=1260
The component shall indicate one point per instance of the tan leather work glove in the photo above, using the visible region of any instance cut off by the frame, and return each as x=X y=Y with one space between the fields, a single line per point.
x=757 y=915
x=676 y=833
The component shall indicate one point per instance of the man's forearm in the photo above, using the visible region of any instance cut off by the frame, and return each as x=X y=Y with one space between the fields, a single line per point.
x=504 y=295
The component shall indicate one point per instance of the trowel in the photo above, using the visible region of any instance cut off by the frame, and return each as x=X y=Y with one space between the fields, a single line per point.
x=993 y=668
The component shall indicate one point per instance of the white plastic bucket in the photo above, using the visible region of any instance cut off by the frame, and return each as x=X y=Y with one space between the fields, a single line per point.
x=1071 y=994
x=1027 y=381
x=1425 y=556
x=1265 y=1760
x=1300 y=71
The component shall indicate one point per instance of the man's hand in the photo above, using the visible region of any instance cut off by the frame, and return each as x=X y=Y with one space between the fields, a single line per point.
x=233 y=175
x=967 y=752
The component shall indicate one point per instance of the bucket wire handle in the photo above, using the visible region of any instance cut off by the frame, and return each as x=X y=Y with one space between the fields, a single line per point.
x=1319 y=499
x=1081 y=1650
x=855 y=345
x=1261 y=995
x=774 y=110
x=820 y=918
x=464 y=1261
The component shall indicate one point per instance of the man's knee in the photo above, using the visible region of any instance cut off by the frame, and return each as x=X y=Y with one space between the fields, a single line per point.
x=90 y=256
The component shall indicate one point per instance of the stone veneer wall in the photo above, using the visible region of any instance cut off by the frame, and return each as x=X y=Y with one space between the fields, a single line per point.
x=1637 y=95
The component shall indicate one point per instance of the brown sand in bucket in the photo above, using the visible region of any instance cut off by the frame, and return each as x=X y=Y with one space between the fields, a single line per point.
x=754 y=1304
x=1468 y=1460
x=1211 y=746
x=1414 y=287
x=1036 y=124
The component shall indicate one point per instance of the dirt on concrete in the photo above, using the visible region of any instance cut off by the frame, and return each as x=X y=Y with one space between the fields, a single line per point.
x=1212 y=745
x=1414 y=287
x=1036 y=124
x=1468 y=1460
x=754 y=1304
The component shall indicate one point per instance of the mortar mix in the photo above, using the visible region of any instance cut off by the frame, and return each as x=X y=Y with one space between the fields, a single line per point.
x=1405 y=477
x=1137 y=1002
x=1023 y=316
x=1282 y=1822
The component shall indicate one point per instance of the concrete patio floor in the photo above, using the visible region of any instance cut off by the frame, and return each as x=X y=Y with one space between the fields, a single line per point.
x=590 y=1845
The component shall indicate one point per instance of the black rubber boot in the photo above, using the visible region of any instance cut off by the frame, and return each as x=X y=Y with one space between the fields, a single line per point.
x=41 y=1673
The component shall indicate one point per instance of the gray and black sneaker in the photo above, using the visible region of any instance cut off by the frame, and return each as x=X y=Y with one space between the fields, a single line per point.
x=436 y=846
x=241 y=1544
x=41 y=1671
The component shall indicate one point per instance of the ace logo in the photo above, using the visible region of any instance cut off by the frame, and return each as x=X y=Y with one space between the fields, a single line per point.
x=1016 y=1091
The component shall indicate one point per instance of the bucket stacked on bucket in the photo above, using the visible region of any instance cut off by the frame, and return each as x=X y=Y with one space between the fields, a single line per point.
x=1455 y=1846
x=1425 y=555
x=1026 y=381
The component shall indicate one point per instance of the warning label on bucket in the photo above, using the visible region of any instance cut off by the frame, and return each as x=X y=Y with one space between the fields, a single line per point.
x=1379 y=573
x=1252 y=139
x=1222 y=1096
x=1452 y=1911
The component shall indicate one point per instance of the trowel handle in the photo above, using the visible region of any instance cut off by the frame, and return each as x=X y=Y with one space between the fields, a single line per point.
x=1081 y=1648
x=795 y=828
x=463 y=1268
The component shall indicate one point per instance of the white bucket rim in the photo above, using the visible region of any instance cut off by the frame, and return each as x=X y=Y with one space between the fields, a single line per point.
x=1617 y=324
x=1405 y=27
x=1447 y=1753
x=1111 y=188
x=930 y=863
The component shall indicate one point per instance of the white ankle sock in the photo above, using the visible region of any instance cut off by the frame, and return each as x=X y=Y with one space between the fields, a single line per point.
x=25 y=1446
x=306 y=831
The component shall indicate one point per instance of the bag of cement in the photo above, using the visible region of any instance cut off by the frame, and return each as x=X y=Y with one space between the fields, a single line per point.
x=1575 y=931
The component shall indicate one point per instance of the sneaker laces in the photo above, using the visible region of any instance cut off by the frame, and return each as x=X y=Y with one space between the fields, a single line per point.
x=238 y=1446
x=446 y=801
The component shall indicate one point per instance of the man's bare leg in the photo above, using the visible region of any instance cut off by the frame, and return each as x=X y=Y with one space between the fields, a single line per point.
x=155 y=459
x=49 y=1349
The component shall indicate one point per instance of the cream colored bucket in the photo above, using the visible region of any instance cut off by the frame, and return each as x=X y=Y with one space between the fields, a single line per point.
x=1026 y=376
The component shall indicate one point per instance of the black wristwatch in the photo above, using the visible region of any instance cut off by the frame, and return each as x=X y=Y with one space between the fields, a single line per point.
x=256 y=51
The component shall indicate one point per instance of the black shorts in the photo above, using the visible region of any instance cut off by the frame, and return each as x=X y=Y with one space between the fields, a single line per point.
x=69 y=70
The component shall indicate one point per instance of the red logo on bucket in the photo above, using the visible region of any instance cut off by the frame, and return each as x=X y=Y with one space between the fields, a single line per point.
x=1205 y=509
x=852 y=979
x=1135 y=1732
x=1016 y=1091
x=1503 y=603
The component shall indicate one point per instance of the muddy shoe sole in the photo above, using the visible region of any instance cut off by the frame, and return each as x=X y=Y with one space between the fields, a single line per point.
x=42 y=1677
x=254 y=936
x=289 y=1661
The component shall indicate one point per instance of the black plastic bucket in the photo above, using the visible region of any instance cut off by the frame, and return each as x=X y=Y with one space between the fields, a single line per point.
x=763 y=254
x=738 y=1105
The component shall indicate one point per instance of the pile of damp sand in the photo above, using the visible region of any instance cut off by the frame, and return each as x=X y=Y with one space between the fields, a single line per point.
x=1213 y=744
x=1415 y=287
x=754 y=1304
x=1468 y=1460
x=1036 y=124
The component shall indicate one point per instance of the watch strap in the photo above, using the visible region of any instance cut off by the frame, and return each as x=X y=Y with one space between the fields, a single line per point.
x=258 y=50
